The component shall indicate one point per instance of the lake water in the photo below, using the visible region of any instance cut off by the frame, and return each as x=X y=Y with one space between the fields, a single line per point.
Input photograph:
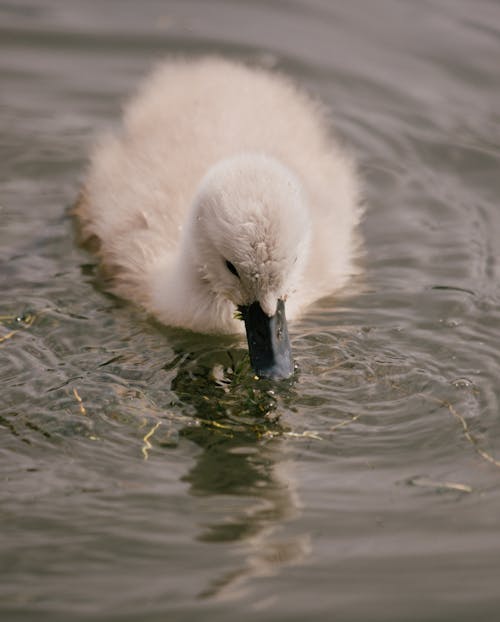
x=141 y=478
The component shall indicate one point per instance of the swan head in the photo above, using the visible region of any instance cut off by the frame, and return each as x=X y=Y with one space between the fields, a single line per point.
x=250 y=234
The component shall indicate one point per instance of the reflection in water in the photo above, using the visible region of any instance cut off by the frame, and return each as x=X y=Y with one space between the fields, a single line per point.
x=244 y=468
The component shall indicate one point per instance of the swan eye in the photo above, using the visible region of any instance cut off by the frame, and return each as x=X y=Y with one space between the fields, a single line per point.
x=231 y=268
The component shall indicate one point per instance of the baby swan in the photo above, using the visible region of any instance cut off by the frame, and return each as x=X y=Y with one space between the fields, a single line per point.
x=224 y=193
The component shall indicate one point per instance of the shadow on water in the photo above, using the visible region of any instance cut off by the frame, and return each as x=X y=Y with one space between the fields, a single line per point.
x=244 y=468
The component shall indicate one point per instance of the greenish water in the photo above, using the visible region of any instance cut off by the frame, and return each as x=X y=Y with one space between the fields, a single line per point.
x=144 y=474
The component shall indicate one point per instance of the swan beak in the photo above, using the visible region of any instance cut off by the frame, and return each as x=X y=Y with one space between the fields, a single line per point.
x=268 y=342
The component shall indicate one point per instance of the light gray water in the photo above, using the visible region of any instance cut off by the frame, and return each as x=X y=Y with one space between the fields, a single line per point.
x=143 y=481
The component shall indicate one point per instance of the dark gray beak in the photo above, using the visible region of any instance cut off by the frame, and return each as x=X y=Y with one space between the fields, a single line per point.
x=268 y=342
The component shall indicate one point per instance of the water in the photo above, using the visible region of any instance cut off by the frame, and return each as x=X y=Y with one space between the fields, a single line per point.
x=144 y=474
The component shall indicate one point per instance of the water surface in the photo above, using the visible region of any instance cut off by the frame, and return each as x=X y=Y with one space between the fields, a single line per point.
x=145 y=475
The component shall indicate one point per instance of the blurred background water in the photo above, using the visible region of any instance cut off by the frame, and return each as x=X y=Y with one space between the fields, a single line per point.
x=144 y=474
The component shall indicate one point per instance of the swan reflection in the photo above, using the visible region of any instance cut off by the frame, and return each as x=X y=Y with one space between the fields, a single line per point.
x=244 y=471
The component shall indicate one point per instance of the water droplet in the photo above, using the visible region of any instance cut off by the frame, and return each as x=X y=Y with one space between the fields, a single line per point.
x=462 y=383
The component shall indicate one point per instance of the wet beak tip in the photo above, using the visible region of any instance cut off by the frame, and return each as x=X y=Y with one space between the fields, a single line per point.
x=268 y=342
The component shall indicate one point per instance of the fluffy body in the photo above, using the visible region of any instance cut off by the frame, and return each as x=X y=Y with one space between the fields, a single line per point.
x=216 y=162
